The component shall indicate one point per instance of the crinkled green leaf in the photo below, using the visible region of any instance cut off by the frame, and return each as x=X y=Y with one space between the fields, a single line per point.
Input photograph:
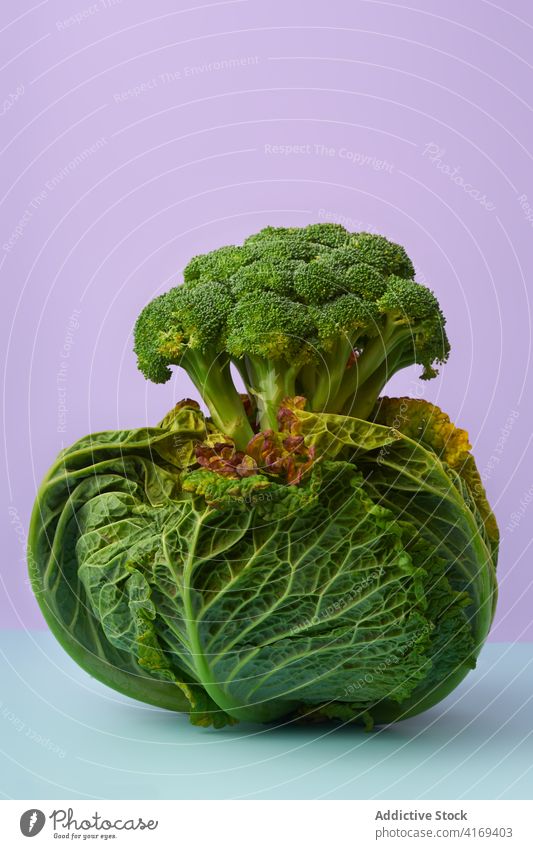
x=331 y=434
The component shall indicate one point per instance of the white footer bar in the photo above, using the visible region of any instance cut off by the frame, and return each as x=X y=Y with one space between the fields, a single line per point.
x=266 y=824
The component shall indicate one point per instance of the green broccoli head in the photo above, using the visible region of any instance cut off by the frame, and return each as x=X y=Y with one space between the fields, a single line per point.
x=315 y=311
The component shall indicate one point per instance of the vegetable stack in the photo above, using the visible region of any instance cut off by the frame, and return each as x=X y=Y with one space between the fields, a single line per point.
x=308 y=550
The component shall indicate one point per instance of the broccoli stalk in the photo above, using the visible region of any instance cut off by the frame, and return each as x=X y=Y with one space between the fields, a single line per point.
x=182 y=328
x=373 y=367
x=269 y=382
x=213 y=380
x=329 y=376
x=314 y=311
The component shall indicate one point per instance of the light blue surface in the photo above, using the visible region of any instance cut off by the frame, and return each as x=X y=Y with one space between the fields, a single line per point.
x=95 y=743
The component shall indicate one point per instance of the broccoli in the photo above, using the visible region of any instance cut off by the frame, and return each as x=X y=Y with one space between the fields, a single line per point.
x=315 y=311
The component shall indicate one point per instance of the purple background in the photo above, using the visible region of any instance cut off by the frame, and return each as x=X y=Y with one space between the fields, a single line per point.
x=141 y=134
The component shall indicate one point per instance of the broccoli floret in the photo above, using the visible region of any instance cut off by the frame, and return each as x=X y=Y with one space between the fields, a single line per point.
x=347 y=316
x=265 y=274
x=203 y=313
x=317 y=282
x=155 y=323
x=411 y=330
x=332 y=235
x=187 y=327
x=268 y=233
x=181 y=320
x=282 y=248
x=364 y=280
x=267 y=325
x=407 y=300
x=216 y=265
x=387 y=257
x=313 y=311
x=414 y=321
x=268 y=338
x=344 y=326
